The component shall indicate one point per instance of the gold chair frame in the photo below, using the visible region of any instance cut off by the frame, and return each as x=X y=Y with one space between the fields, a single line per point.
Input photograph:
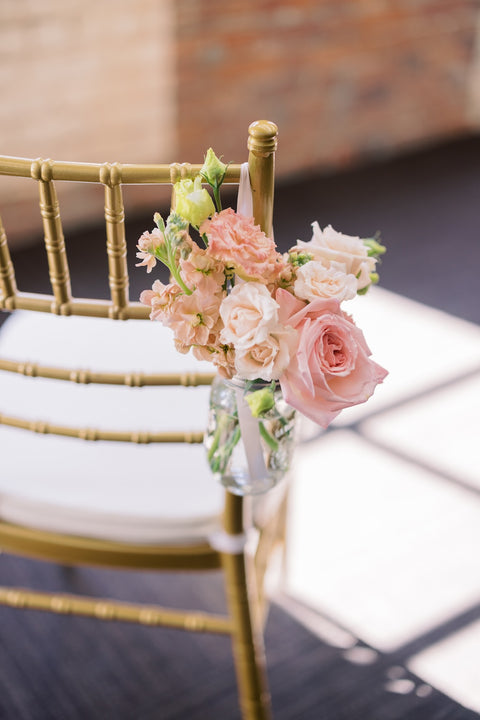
x=243 y=570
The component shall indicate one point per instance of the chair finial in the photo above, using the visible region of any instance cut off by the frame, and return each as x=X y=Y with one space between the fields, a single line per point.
x=262 y=137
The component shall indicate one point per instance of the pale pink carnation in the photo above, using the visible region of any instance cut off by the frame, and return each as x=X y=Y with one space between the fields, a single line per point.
x=331 y=369
x=242 y=245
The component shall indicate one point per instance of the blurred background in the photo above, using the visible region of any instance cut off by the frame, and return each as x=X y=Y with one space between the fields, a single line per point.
x=378 y=108
x=161 y=80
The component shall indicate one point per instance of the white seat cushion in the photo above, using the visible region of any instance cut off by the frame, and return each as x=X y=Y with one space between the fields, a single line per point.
x=119 y=491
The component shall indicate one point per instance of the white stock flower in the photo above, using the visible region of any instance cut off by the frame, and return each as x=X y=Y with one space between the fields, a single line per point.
x=314 y=280
x=329 y=246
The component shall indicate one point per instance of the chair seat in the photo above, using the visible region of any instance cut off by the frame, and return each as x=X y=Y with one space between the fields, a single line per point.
x=159 y=493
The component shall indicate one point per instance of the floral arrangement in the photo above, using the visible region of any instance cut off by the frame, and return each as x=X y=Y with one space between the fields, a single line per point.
x=257 y=314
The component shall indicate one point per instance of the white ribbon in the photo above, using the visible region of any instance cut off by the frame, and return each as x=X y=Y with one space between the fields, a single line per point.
x=249 y=429
x=245 y=197
x=223 y=542
x=248 y=424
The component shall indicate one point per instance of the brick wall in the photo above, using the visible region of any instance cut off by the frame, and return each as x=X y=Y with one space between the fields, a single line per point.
x=161 y=80
x=344 y=79
x=88 y=80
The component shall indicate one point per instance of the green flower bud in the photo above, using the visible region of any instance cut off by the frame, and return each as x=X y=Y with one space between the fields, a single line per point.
x=213 y=169
x=192 y=201
x=297 y=259
x=374 y=247
x=261 y=401
x=176 y=226
x=158 y=220
x=374 y=278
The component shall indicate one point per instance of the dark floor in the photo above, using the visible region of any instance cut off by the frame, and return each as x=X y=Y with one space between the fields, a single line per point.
x=53 y=668
x=62 y=668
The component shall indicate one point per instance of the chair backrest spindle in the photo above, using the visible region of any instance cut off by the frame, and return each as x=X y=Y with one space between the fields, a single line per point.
x=53 y=234
x=8 y=285
x=110 y=176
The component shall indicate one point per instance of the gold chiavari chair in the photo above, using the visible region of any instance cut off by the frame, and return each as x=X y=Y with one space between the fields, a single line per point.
x=75 y=494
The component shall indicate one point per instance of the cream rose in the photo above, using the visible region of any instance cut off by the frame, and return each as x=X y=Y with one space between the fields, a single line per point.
x=269 y=359
x=314 y=280
x=329 y=246
x=249 y=314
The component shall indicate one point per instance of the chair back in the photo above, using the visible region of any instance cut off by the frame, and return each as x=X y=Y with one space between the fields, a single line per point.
x=112 y=176
x=64 y=544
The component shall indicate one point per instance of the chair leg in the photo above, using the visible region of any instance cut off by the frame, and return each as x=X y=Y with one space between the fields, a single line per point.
x=247 y=640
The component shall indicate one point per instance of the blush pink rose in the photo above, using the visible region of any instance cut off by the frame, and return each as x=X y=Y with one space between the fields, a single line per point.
x=332 y=369
x=239 y=243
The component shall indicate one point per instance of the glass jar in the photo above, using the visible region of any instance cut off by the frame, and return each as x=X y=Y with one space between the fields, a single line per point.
x=250 y=435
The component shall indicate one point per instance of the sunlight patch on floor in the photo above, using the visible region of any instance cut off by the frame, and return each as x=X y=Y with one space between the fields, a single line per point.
x=453 y=665
x=441 y=430
x=384 y=523
x=381 y=546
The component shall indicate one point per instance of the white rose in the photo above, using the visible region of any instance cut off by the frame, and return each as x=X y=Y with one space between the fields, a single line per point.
x=314 y=280
x=249 y=314
x=329 y=246
x=269 y=359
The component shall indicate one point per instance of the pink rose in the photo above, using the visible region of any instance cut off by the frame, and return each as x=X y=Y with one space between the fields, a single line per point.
x=239 y=243
x=331 y=369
